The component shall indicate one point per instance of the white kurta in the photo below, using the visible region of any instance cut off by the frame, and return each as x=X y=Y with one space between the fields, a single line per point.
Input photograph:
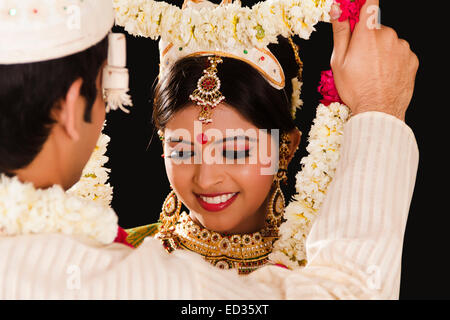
x=354 y=249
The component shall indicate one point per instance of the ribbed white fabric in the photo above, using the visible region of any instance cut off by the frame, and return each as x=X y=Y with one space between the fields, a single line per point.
x=354 y=248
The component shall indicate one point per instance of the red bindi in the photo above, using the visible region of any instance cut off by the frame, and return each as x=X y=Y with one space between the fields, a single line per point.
x=202 y=138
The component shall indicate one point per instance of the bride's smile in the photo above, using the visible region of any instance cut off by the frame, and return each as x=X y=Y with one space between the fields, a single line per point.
x=216 y=201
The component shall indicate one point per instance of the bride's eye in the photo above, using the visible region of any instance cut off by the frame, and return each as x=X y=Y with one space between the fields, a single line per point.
x=236 y=154
x=181 y=154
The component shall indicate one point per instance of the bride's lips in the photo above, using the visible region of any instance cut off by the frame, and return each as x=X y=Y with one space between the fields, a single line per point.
x=224 y=200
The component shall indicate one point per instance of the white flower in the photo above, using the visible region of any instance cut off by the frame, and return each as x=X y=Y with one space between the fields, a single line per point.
x=93 y=182
x=312 y=181
x=223 y=26
x=26 y=210
x=296 y=95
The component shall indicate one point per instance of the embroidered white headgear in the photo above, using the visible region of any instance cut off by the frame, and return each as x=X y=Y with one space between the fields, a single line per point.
x=33 y=31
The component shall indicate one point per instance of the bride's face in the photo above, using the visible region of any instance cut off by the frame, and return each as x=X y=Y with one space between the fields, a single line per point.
x=222 y=171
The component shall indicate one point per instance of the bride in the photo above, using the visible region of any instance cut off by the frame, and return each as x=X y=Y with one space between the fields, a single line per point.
x=217 y=172
x=226 y=122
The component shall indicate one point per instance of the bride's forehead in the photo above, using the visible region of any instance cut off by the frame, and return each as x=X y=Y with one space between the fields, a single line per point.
x=223 y=117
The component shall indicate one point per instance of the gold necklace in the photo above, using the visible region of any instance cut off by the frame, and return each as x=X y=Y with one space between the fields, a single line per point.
x=246 y=252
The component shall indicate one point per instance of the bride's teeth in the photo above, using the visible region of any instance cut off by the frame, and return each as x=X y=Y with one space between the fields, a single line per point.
x=218 y=199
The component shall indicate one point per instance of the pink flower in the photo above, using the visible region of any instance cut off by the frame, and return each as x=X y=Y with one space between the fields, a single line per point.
x=350 y=10
x=327 y=89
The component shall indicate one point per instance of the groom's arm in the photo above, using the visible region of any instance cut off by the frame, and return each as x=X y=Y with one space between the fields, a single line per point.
x=355 y=246
x=360 y=231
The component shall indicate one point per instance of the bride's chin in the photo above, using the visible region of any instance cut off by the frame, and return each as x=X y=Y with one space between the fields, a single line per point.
x=213 y=221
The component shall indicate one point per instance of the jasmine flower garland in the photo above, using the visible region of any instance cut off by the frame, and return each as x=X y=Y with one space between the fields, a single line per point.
x=93 y=182
x=318 y=170
x=26 y=210
x=224 y=26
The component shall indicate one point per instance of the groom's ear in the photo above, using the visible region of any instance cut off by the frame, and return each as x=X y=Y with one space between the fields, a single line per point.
x=70 y=111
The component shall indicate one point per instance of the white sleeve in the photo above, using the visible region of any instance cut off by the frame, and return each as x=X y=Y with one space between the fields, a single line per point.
x=355 y=246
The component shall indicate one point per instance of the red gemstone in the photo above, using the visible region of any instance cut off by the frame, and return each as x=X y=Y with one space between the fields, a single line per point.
x=262 y=58
x=208 y=84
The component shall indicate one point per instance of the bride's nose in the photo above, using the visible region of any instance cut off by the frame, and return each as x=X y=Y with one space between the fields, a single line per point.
x=208 y=175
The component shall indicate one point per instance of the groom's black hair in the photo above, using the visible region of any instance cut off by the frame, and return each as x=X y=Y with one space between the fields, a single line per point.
x=28 y=94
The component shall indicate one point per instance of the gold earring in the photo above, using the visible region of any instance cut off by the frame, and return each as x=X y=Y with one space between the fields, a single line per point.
x=284 y=158
x=170 y=212
x=277 y=201
x=276 y=208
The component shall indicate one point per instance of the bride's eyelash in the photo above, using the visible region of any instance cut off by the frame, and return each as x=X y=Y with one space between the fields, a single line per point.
x=229 y=154
x=234 y=155
x=182 y=154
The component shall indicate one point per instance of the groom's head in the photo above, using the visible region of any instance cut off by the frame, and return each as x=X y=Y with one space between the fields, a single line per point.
x=52 y=111
x=55 y=106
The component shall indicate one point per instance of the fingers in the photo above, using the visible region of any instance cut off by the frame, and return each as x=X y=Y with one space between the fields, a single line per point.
x=369 y=16
x=341 y=34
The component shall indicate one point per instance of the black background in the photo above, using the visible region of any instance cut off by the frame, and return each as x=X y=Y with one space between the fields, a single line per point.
x=140 y=183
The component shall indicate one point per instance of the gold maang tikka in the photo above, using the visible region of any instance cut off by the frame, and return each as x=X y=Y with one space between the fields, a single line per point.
x=207 y=94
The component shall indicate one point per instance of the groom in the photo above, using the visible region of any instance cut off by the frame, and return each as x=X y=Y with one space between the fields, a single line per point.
x=53 y=246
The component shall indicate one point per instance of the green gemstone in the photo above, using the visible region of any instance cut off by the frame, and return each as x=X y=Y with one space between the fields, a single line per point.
x=245 y=51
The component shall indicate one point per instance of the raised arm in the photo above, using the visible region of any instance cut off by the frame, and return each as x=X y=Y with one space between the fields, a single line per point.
x=355 y=247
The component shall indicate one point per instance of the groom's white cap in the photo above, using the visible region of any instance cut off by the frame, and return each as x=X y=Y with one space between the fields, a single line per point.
x=40 y=30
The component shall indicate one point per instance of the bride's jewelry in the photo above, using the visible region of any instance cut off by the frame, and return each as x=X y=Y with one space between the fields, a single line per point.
x=207 y=94
x=169 y=216
x=245 y=253
x=277 y=200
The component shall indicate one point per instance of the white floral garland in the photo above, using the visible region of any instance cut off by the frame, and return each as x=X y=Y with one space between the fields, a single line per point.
x=93 y=183
x=318 y=170
x=26 y=210
x=223 y=26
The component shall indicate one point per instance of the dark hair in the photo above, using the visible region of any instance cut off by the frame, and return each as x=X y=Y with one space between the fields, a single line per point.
x=244 y=87
x=28 y=94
